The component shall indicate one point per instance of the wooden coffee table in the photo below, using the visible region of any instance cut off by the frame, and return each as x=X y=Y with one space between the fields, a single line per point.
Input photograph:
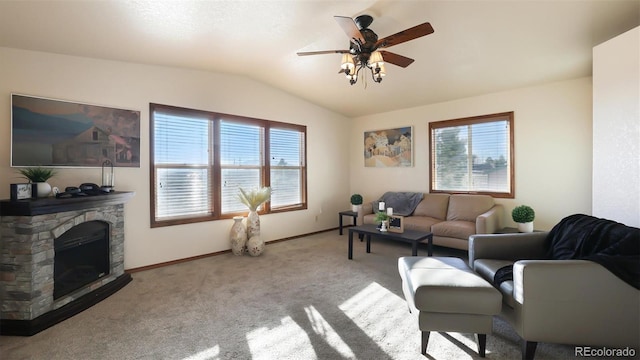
x=411 y=236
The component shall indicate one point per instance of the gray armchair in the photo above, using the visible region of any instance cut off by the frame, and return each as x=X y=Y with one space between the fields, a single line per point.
x=576 y=302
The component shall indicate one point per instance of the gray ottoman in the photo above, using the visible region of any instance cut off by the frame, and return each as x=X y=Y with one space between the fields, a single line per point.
x=448 y=296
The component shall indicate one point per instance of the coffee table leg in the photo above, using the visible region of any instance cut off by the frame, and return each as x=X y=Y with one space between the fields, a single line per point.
x=414 y=248
x=430 y=245
x=368 y=243
x=350 y=253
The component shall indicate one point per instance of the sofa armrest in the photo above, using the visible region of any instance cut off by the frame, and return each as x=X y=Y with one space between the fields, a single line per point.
x=574 y=302
x=565 y=280
x=490 y=221
x=510 y=247
x=365 y=209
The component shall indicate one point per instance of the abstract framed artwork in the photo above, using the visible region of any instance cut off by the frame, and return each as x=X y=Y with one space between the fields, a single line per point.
x=389 y=147
x=49 y=132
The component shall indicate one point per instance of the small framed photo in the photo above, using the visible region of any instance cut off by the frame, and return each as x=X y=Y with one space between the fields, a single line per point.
x=23 y=191
x=396 y=224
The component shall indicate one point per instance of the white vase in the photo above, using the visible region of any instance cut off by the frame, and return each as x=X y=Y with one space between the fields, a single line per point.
x=43 y=189
x=253 y=224
x=384 y=226
x=255 y=245
x=356 y=208
x=525 y=227
x=238 y=236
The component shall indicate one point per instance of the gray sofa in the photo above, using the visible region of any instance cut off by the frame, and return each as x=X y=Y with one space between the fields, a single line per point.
x=451 y=218
x=572 y=300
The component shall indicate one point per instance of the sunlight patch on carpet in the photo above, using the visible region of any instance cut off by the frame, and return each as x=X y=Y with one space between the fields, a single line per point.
x=324 y=330
x=209 y=354
x=382 y=315
x=280 y=342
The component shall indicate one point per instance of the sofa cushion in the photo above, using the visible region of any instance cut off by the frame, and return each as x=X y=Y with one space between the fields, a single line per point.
x=454 y=229
x=467 y=207
x=433 y=205
x=420 y=223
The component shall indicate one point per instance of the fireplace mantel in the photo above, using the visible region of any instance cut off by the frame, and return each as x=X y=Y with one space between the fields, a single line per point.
x=52 y=205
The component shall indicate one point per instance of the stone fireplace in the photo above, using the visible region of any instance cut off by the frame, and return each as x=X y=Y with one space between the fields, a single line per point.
x=58 y=257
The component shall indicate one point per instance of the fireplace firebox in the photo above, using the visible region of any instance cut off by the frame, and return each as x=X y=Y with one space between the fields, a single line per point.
x=81 y=257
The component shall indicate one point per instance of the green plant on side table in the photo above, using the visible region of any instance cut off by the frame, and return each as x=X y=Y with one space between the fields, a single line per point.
x=524 y=216
x=356 y=202
x=39 y=175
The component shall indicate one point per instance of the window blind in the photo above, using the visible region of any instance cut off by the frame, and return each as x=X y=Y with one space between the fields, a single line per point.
x=472 y=155
x=241 y=161
x=287 y=154
x=182 y=148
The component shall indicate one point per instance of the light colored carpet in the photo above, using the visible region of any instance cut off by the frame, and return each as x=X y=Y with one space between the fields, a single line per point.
x=302 y=299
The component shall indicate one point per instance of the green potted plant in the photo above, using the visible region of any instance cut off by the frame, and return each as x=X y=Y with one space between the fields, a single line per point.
x=523 y=215
x=39 y=175
x=356 y=202
x=383 y=219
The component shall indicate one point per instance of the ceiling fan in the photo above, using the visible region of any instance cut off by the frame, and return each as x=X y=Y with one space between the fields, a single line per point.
x=364 y=44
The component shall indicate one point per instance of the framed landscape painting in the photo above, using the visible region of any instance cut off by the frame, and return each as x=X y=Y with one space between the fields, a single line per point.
x=389 y=148
x=48 y=132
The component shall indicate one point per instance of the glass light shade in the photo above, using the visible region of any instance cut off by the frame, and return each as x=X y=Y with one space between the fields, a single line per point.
x=382 y=72
x=347 y=62
x=375 y=59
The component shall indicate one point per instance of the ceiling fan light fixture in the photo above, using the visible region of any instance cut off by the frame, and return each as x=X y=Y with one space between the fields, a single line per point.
x=378 y=73
x=347 y=64
x=364 y=44
x=375 y=59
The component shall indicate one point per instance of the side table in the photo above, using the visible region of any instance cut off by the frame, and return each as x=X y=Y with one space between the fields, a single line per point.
x=353 y=214
x=510 y=230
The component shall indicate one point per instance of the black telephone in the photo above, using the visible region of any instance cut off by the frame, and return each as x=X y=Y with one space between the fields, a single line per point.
x=89 y=186
x=85 y=189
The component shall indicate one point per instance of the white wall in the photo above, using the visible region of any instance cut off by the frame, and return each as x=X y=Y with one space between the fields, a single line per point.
x=134 y=86
x=552 y=131
x=616 y=129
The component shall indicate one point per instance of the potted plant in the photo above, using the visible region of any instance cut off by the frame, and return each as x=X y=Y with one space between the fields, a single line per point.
x=356 y=202
x=523 y=215
x=39 y=176
x=383 y=219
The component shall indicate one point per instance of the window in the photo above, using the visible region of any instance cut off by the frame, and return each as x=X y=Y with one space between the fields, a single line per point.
x=473 y=155
x=200 y=159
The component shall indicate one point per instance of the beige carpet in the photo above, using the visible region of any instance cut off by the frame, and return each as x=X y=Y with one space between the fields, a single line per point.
x=302 y=299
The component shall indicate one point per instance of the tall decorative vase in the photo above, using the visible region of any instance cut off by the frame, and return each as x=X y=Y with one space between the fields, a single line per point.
x=255 y=245
x=253 y=224
x=43 y=189
x=238 y=236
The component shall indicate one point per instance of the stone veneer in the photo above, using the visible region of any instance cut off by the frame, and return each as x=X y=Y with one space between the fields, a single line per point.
x=27 y=258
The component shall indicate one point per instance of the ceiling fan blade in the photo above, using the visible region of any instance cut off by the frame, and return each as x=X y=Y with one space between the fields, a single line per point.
x=305 y=53
x=396 y=59
x=405 y=35
x=350 y=28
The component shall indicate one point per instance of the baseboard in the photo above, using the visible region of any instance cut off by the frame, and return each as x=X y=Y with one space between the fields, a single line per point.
x=192 y=258
x=42 y=322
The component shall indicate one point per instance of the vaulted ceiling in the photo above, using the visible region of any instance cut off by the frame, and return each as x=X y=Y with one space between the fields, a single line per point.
x=478 y=46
